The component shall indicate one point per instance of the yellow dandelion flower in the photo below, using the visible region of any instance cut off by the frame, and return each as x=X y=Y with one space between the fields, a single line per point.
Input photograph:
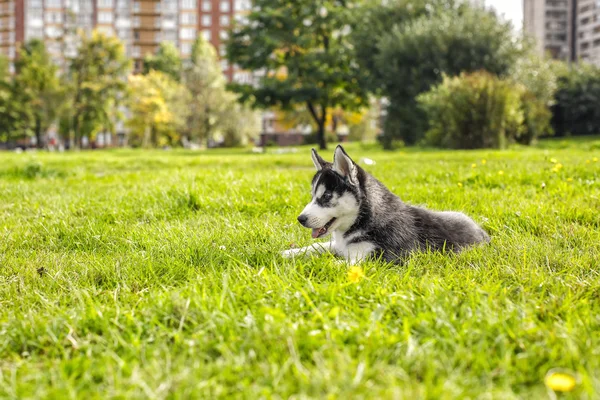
x=483 y=162
x=473 y=165
x=557 y=167
x=560 y=381
x=553 y=160
x=459 y=184
x=569 y=179
x=500 y=172
x=355 y=274
x=587 y=161
x=595 y=159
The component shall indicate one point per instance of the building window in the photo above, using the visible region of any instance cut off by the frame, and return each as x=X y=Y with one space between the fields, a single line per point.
x=187 y=33
x=186 y=49
x=188 y=4
x=53 y=4
x=222 y=50
x=188 y=19
x=53 y=31
x=35 y=33
x=54 y=17
x=224 y=20
x=207 y=35
x=34 y=4
x=224 y=7
x=206 y=20
x=105 y=3
x=105 y=18
x=136 y=7
x=224 y=35
x=224 y=64
x=169 y=23
x=206 y=5
x=170 y=36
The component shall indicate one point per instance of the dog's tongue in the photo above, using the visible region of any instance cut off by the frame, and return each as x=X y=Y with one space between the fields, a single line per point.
x=316 y=232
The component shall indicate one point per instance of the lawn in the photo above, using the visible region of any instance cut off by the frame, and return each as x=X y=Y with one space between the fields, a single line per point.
x=157 y=274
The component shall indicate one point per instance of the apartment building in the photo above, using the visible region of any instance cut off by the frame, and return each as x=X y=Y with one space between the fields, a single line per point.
x=141 y=24
x=588 y=31
x=566 y=29
x=548 y=21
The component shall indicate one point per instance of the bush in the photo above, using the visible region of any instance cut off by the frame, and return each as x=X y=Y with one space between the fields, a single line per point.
x=539 y=77
x=576 y=110
x=473 y=111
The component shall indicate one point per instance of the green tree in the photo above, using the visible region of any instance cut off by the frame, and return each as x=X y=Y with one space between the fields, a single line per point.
x=98 y=75
x=432 y=39
x=158 y=107
x=167 y=60
x=16 y=115
x=304 y=48
x=37 y=78
x=206 y=83
x=576 y=110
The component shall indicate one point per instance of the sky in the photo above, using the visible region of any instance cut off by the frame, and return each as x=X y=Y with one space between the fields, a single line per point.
x=512 y=10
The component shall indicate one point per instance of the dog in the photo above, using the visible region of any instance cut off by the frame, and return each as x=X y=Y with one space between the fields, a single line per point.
x=366 y=220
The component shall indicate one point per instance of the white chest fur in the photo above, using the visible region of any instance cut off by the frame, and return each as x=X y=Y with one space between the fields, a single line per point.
x=353 y=252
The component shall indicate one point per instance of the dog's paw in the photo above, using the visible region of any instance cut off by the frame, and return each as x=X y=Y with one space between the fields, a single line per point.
x=291 y=253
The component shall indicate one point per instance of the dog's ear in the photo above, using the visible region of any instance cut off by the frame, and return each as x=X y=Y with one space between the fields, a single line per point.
x=343 y=165
x=318 y=161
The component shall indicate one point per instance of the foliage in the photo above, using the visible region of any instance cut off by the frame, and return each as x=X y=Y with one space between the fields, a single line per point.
x=539 y=78
x=304 y=49
x=98 y=76
x=239 y=124
x=415 y=53
x=206 y=83
x=39 y=85
x=16 y=116
x=473 y=111
x=166 y=60
x=576 y=110
x=215 y=112
x=158 y=106
x=157 y=275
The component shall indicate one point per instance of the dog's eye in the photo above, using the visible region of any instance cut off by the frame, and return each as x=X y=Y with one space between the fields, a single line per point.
x=327 y=196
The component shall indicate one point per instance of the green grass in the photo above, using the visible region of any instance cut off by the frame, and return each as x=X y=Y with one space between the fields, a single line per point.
x=129 y=274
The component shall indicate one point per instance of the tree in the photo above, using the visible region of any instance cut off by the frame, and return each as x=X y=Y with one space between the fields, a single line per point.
x=166 y=60
x=433 y=39
x=158 y=107
x=576 y=110
x=37 y=79
x=98 y=75
x=206 y=83
x=16 y=115
x=304 y=49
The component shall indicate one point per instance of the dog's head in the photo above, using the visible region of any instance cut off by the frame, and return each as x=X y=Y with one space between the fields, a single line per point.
x=335 y=195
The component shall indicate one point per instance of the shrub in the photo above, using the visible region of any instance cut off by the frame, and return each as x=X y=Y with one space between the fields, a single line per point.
x=472 y=111
x=539 y=76
x=576 y=110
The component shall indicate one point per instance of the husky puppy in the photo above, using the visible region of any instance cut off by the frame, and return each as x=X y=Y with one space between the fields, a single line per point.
x=366 y=220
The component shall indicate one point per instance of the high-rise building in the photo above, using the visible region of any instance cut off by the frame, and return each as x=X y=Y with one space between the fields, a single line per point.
x=588 y=31
x=566 y=29
x=548 y=21
x=141 y=24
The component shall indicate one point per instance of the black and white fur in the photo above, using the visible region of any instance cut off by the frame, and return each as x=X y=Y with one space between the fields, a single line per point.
x=366 y=220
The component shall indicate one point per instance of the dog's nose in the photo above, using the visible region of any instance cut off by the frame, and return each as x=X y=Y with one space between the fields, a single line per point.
x=302 y=219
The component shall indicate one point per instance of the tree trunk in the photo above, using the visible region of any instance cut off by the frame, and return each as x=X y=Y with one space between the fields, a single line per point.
x=320 y=123
x=38 y=133
x=207 y=125
x=74 y=141
x=321 y=136
x=146 y=139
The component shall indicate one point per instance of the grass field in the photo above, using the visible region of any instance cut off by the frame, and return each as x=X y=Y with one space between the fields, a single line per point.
x=129 y=274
